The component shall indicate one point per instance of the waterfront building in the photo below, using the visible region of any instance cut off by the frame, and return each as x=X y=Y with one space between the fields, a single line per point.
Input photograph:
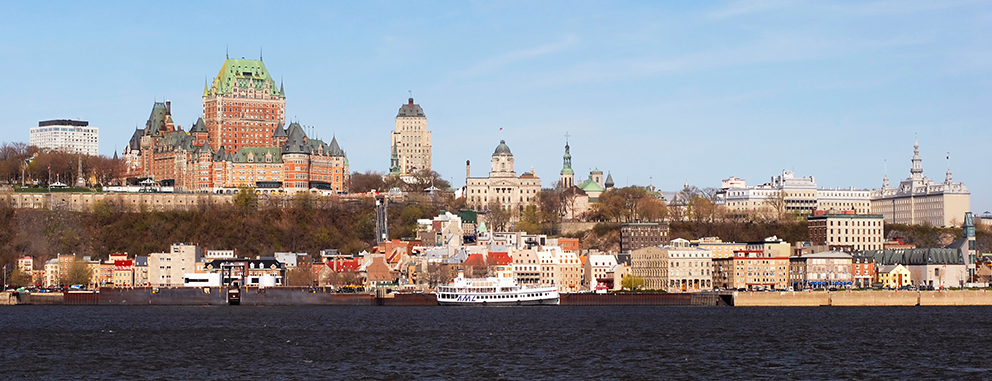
x=761 y=265
x=598 y=269
x=797 y=273
x=847 y=231
x=788 y=193
x=26 y=266
x=828 y=269
x=141 y=271
x=71 y=136
x=124 y=273
x=636 y=235
x=526 y=267
x=936 y=267
x=502 y=186
x=677 y=267
x=264 y=272
x=51 y=273
x=558 y=268
x=918 y=200
x=863 y=270
x=168 y=269
x=894 y=276
x=410 y=142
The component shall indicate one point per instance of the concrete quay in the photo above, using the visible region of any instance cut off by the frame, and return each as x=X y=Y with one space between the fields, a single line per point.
x=868 y=298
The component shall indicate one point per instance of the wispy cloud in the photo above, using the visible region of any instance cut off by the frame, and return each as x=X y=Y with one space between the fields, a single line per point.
x=498 y=63
x=768 y=50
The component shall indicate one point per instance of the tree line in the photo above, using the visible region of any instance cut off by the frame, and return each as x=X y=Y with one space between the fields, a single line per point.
x=21 y=163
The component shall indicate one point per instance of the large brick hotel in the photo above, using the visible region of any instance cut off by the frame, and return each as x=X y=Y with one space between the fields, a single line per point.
x=239 y=141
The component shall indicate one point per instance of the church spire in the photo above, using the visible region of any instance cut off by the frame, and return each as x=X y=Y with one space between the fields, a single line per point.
x=394 y=162
x=916 y=171
x=567 y=174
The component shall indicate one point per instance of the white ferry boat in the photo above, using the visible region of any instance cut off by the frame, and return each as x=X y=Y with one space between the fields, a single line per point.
x=501 y=290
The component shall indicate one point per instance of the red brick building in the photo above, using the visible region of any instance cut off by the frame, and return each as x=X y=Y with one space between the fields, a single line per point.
x=240 y=141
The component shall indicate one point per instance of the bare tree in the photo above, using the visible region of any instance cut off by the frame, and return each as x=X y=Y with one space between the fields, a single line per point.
x=497 y=217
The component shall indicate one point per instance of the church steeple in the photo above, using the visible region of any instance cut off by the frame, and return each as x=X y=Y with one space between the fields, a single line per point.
x=916 y=171
x=394 y=163
x=567 y=174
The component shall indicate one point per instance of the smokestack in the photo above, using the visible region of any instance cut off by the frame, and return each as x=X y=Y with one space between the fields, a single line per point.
x=468 y=169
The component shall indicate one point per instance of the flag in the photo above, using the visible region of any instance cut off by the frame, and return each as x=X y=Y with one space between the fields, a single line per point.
x=49 y=166
x=501 y=128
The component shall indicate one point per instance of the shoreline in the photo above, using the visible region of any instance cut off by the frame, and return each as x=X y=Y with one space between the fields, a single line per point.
x=300 y=296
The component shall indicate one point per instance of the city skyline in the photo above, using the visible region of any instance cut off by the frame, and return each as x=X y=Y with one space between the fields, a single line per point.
x=660 y=94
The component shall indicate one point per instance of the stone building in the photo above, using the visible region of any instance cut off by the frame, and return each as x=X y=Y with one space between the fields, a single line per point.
x=502 y=186
x=635 y=235
x=410 y=141
x=788 y=193
x=847 y=231
x=918 y=200
x=677 y=267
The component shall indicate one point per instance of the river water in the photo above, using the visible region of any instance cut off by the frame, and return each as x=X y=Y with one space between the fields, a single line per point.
x=399 y=343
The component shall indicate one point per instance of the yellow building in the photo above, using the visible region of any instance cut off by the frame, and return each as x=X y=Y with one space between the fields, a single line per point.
x=893 y=276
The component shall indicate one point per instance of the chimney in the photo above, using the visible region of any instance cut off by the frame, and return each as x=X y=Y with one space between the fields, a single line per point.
x=168 y=107
x=411 y=101
x=468 y=171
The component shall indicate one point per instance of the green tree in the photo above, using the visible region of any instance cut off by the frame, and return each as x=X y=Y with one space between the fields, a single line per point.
x=19 y=278
x=79 y=273
x=529 y=220
x=630 y=282
x=246 y=201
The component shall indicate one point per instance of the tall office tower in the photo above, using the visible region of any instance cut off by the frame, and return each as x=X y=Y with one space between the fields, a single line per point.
x=411 y=141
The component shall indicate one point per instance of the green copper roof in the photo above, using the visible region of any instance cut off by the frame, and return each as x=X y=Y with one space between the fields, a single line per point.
x=242 y=73
x=566 y=168
x=590 y=186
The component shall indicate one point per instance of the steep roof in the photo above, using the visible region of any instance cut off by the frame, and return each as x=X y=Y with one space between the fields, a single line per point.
x=244 y=73
x=199 y=126
x=910 y=257
x=156 y=120
x=135 y=142
x=296 y=141
x=410 y=110
x=258 y=155
x=609 y=181
x=280 y=132
x=334 y=149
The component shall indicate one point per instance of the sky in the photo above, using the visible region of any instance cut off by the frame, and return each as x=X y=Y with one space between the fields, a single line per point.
x=661 y=93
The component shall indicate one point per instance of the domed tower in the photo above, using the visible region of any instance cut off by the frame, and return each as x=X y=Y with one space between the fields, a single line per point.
x=567 y=174
x=502 y=161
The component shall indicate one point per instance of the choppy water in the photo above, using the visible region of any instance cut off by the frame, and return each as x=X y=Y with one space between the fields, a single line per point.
x=64 y=342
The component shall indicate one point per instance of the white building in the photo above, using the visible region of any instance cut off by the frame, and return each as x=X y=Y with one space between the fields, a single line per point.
x=791 y=194
x=73 y=136
x=919 y=200
x=598 y=266
x=502 y=186
x=169 y=269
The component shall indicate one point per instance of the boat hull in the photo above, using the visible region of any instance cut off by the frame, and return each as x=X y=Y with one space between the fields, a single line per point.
x=501 y=303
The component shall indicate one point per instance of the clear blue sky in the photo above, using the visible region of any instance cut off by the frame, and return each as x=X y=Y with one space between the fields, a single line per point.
x=652 y=92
